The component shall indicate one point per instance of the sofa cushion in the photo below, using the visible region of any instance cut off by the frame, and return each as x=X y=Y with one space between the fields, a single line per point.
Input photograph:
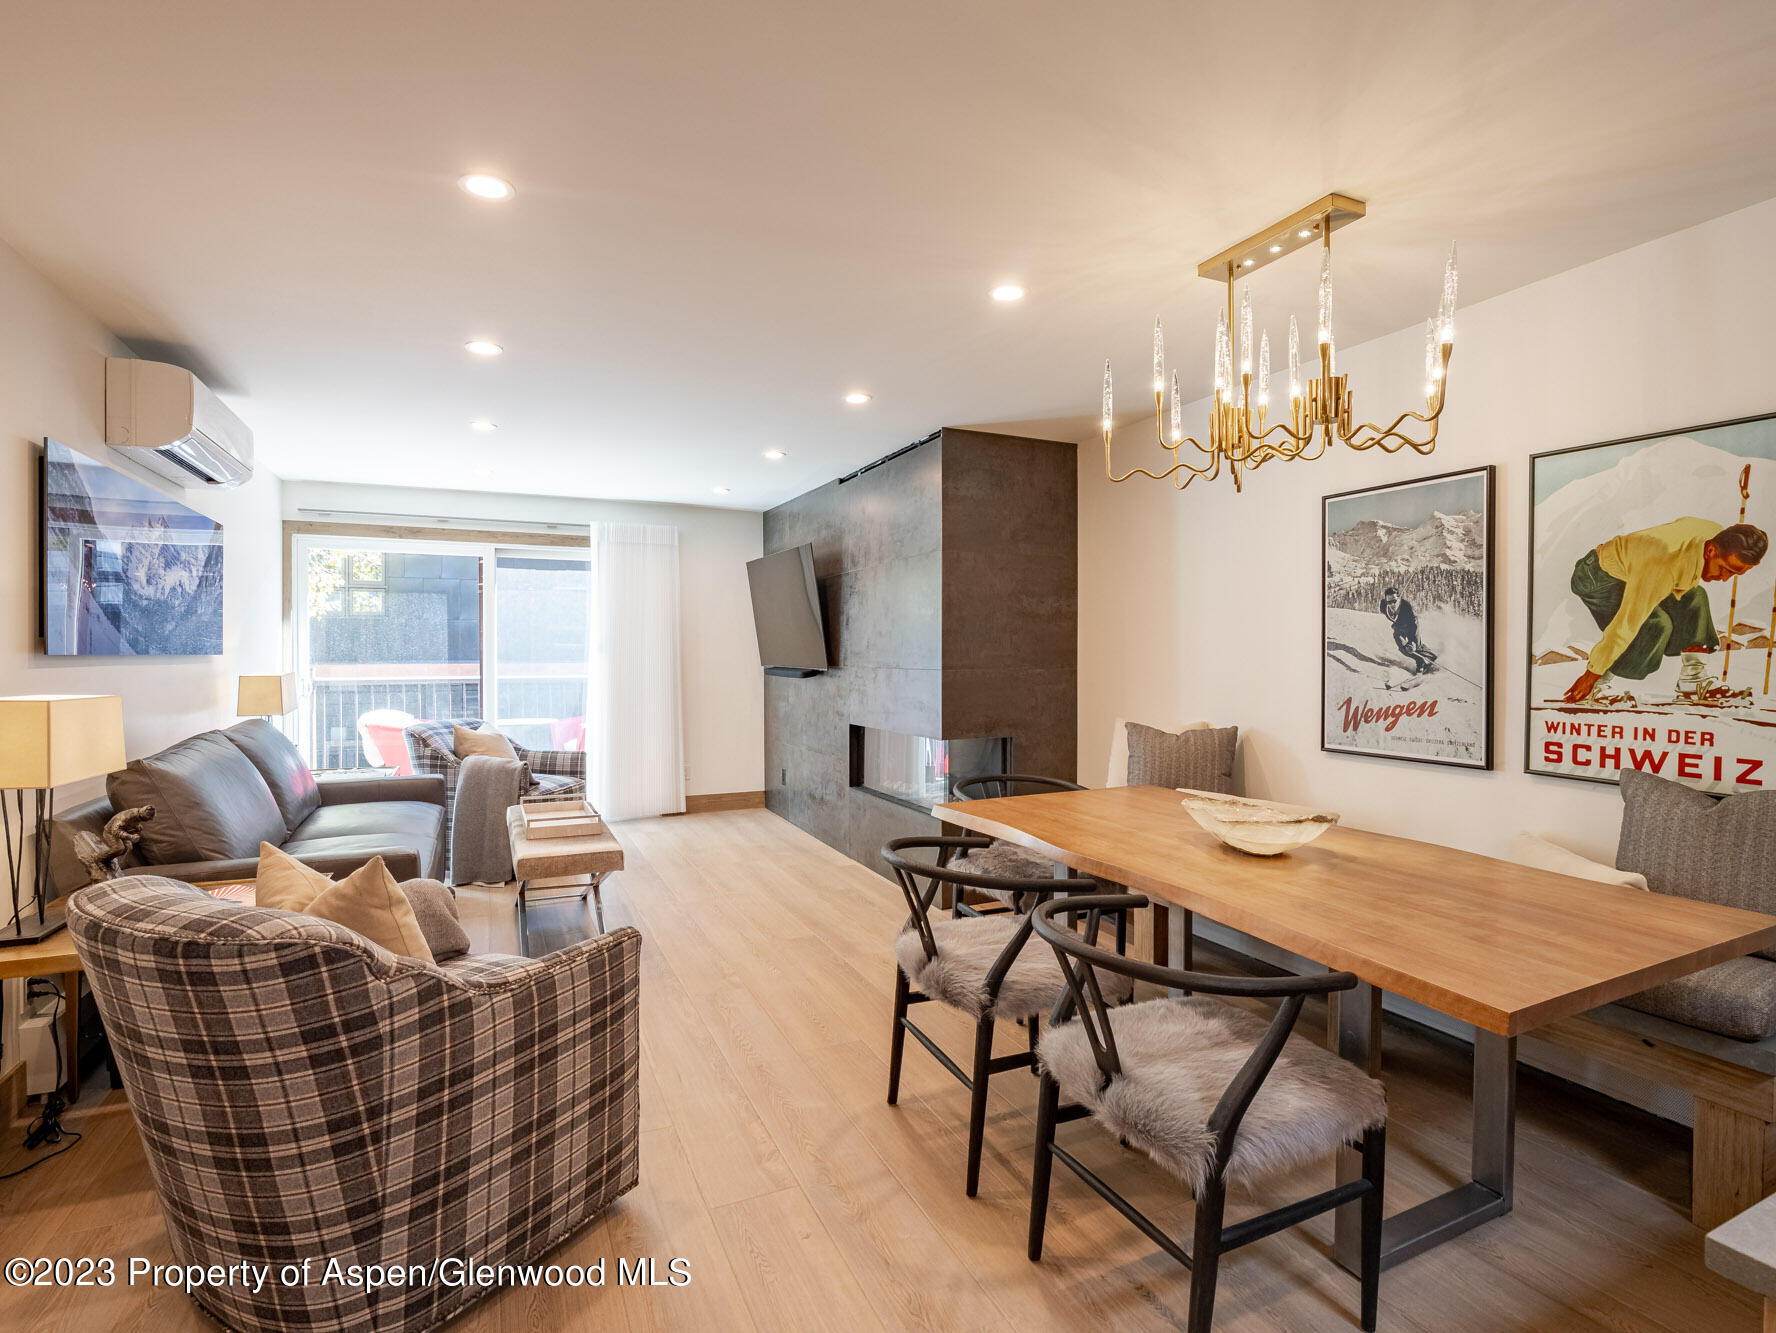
x=1200 y=760
x=1689 y=844
x=1529 y=850
x=367 y=901
x=434 y=907
x=284 y=883
x=292 y=784
x=1118 y=775
x=373 y=826
x=480 y=740
x=210 y=804
x=1736 y=998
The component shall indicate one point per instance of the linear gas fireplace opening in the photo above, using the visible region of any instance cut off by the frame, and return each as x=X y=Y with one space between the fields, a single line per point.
x=915 y=771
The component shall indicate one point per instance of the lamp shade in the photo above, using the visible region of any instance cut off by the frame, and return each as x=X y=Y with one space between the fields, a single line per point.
x=266 y=696
x=47 y=740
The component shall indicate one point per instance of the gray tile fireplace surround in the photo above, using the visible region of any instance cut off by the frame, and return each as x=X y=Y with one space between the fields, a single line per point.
x=949 y=584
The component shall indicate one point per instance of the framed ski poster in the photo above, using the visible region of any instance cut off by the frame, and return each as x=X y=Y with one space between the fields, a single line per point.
x=1406 y=671
x=1651 y=605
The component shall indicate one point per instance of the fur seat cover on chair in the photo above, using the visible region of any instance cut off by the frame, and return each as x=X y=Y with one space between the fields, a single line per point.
x=1179 y=1055
x=967 y=948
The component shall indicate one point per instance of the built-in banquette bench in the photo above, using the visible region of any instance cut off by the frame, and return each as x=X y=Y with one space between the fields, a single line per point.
x=1710 y=1035
x=1732 y=1083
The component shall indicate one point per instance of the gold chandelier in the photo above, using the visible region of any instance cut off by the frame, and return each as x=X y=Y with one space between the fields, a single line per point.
x=1319 y=411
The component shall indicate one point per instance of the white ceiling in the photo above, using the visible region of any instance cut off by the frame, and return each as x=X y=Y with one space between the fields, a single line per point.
x=729 y=215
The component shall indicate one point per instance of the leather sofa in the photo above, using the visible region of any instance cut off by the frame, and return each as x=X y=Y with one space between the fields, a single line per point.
x=219 y=794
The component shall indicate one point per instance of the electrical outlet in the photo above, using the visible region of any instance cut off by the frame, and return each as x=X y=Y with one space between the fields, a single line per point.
x=783 y=778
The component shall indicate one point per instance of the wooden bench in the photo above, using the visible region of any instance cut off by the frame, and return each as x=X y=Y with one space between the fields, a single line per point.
x=1732 y=1084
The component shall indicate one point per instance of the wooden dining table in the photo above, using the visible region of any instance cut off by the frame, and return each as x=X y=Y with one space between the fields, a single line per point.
x=1501 y=946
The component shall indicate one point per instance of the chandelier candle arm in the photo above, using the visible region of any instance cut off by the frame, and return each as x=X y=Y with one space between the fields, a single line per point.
x=1326 y=294
x=1246 y=332
x=1446 y=309
x=1433 y=367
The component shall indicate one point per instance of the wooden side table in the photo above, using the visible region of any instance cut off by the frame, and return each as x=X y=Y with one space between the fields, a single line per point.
x=54 y=957
x=555 y=859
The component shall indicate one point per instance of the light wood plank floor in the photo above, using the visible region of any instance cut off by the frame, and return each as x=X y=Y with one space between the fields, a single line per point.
x=800 y=1200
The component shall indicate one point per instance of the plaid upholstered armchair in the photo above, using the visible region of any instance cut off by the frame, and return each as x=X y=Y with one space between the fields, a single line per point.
x=303 y=1094
x=432 y=748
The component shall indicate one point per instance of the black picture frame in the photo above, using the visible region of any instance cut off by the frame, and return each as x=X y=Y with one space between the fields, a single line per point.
x=1488 y=473
x=1529 y=652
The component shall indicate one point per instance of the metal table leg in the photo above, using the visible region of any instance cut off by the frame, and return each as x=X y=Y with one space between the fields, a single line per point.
x=594 y=883
x=1487 y=1194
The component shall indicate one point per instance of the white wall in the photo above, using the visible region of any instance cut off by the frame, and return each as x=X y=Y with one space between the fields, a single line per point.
x=724 y=693
x=1207 y=605
x=52 y=383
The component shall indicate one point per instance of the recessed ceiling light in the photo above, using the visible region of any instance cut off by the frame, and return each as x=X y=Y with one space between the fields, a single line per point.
x=1009 y=292
x=720 y=490
x=482 y=423
x=1247 y=263
x=481 y=347
x=486 y=187
x=1276 y=249
x=775 y=454
x=857 y=398
x=1305 y=232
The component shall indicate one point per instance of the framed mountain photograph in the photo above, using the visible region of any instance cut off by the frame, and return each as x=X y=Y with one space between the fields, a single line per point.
x=1651 y=608
x=1407 y=620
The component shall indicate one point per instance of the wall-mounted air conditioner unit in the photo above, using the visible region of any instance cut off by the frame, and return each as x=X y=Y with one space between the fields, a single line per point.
x=163 y=417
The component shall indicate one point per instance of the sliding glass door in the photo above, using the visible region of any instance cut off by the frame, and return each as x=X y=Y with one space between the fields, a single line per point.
x=542 y=607
x=393 y=632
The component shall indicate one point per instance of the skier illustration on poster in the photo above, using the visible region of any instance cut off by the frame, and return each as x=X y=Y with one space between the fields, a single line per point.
x=1405 y=622
x=1647 y=552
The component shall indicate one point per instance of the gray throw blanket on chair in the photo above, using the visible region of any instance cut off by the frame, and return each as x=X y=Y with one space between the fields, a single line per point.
x=487 y=787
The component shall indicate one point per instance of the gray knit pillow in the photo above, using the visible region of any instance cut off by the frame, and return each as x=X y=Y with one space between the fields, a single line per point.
x=1692 y=845
x=434 y=907
x=1198 y=759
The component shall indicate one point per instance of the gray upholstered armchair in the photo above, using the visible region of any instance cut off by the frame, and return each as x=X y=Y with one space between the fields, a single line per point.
x=431 y=748
x=304 y=1094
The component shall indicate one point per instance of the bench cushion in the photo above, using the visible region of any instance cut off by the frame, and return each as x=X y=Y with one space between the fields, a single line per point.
x=1736 y=999
x=1692 y=845
x=1198 y=760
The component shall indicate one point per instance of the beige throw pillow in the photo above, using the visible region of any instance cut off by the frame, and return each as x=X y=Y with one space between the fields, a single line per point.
x=368 y=900
x=480 y=742
x=1529 y=850
x=284 y=883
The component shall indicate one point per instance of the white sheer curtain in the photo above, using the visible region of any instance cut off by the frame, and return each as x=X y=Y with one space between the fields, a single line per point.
x=635 y=766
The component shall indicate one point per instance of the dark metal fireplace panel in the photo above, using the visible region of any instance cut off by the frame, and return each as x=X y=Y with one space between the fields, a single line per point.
x=916 y=771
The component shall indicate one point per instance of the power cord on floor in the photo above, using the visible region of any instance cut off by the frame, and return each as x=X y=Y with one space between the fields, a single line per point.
x=48 y=1127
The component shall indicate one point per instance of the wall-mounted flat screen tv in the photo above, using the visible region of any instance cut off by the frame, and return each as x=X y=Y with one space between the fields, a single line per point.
x=126 y=570
x=786 y=612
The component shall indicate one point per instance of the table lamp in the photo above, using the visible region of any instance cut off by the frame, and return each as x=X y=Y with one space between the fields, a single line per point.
x=47 y=741
x=266 y=696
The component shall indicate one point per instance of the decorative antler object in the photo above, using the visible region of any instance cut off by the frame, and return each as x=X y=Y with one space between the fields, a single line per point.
x=1320 y=412
x=102 y=854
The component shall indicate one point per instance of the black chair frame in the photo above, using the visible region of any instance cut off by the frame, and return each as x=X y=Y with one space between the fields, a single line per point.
x=990 y=786
x=939 y=874
x=1080 y=960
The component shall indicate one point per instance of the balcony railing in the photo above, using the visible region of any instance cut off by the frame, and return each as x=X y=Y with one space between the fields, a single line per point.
x=528 y=705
